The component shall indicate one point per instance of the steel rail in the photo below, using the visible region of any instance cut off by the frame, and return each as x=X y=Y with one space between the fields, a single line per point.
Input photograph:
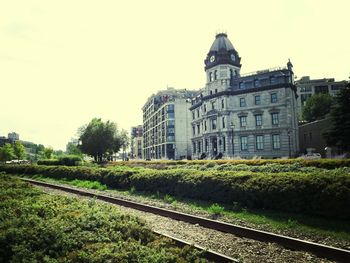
x=320 y=250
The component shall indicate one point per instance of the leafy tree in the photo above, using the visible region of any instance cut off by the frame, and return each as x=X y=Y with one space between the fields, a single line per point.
x=73 y=149
x=7 y=153
x=317 y=107
x=19 y=150
x=100 y=139
x=339 y=132
x=48 y=152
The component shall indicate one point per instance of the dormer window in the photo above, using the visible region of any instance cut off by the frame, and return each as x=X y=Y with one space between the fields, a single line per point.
x=241 y=85
x=256 y=83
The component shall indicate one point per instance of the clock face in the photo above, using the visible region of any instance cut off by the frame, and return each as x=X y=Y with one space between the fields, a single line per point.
x=233 y=58
x=212 y=58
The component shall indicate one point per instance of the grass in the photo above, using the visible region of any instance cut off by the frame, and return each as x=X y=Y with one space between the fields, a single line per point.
x=270 y=220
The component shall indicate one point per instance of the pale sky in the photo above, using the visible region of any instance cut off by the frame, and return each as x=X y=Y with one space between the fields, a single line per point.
x=65 y=62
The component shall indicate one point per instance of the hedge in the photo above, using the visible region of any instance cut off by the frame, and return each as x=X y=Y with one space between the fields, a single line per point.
x=322 y=193
x=321 y=163
x=68 y=160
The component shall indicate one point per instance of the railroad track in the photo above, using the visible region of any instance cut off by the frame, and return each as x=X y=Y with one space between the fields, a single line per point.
x=320 y=250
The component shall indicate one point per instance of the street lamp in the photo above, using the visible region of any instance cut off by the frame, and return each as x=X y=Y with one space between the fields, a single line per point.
x=233 y=147
x=290 y=150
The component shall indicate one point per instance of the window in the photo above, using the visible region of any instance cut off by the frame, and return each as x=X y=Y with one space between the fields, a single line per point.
x=216 y=90
x=276 y=141
x=206 y=145
x=273 y=97
x=257 y=100
x=211 y=92
x=274 y=117
x=272 y=80
x=199 y=147
x=213 y=124
x=241 y=85
x=197 y=113
x=243 y=121
x=215 y=75
x=194 y=147
x=222 y=104
x=194 y=130
x=258 y=120
x=242 y=102
x=193 y=115
x=211 y=76
x=205 y=107
x=259 y=142
x=223 y=122
x=244 y=143
x=256 y=83
x=224 y=143
x=205 y=125
x=198 y=129
x=213 y=105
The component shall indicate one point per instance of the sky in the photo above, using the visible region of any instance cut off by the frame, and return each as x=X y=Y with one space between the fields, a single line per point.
x=65 y=62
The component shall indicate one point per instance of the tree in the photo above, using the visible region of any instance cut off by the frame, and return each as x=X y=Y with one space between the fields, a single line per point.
x=73 y=149
x=317 y=107
x=339 y=131
x=48 y=152
x=99 y=139
x=19 y=150
x=7 y=153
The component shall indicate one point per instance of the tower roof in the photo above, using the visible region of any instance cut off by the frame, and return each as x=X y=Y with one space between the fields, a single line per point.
x=222 y=52
x=221 y=42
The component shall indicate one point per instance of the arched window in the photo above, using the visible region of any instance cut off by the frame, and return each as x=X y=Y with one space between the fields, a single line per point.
x=210 y=76
x=215 y=75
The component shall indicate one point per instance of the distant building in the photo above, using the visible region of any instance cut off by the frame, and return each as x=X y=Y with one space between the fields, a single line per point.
x=312 y=141
x=166 y=129
x=243 y=115
x=306 y=87
x=136 y=142
x=12 y=136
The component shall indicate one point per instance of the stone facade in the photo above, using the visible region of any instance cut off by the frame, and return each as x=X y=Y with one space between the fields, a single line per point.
x=166 y=129
x=243 y=116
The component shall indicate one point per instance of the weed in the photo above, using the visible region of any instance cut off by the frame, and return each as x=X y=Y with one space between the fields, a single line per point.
x=216 y=209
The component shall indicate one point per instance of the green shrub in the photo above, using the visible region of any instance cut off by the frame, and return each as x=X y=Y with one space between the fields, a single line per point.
x=307 y=190
x=36 y=227
x=67 y=160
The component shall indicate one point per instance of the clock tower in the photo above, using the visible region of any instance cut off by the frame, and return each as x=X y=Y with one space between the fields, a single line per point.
x=222 y=61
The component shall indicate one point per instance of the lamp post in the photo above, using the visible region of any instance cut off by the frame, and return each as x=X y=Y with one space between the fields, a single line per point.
x=289 y=148
x=233 y=146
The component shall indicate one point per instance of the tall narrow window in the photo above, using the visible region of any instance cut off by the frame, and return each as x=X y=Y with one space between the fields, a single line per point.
x=224 y=143
x=205 y=107
x=198 y=129
x=242 y=102
x=194 y=147
x=197 y=113
x=194 y=130
x=222 y=104
x=223 y=122
x=244 y=143
x=211 y=76
x=243 y=121
x=193 y=115
x=273 y=97
x=258 y=120
x=213 y=124
x=259 y=142
x=257 y=100
x=199 y=147
x=275 y=119
x=205 y=125
x=213 y=105
x=276 y=141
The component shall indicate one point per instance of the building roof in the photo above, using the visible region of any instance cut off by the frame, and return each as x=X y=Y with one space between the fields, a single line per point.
x=221 y=42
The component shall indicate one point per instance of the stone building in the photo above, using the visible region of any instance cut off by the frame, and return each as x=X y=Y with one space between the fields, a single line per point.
x=246 y=115
x=136 y=146
x=166 y=125
x=306 y=87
